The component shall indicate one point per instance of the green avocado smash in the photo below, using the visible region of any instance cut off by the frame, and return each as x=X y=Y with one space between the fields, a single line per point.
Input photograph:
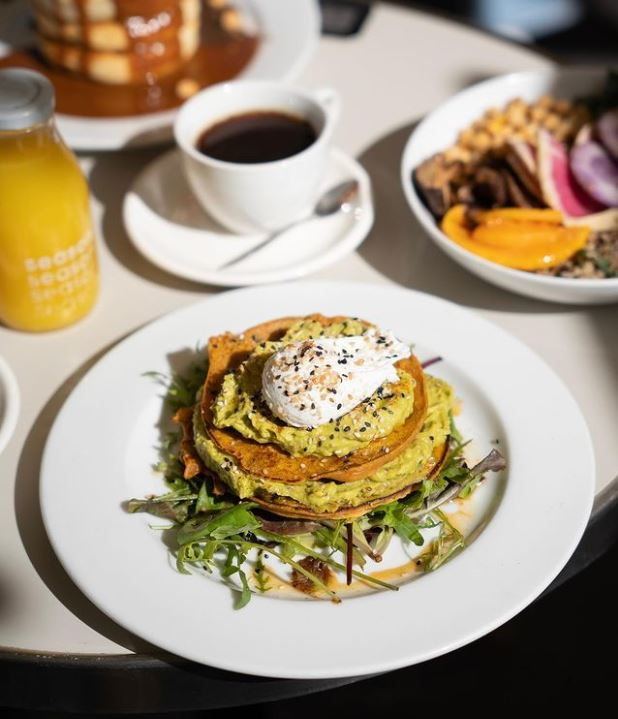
x=238 y=406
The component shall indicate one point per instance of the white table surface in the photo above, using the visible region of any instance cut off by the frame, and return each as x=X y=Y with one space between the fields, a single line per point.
x=399 y=67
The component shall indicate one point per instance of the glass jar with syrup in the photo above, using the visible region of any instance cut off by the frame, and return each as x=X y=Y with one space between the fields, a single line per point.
x=48 y=264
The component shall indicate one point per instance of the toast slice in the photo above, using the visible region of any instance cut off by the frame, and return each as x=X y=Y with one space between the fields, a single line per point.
x=288 y=507
x=226 y=352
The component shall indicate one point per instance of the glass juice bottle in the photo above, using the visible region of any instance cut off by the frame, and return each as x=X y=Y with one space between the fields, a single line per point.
x=48 y=264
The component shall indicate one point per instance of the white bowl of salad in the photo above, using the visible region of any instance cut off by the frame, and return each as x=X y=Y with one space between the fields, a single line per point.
x=516 y=179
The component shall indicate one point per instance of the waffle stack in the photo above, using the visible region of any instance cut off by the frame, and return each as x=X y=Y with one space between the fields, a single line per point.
x=119 y=42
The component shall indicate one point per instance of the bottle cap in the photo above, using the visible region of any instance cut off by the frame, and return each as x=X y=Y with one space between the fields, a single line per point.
x=26 y=98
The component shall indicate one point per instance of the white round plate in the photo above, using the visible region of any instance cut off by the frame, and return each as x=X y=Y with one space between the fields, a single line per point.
x=9 y=403
x=99 y=454
x=169 y=227
x=289 y=32
x=439 y=130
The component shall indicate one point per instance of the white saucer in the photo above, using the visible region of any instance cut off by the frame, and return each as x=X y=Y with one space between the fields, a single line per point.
x=168 y=226
x=9 y=403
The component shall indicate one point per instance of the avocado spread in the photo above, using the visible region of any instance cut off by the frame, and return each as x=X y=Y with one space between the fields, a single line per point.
x=328 y=495
x=239 y=404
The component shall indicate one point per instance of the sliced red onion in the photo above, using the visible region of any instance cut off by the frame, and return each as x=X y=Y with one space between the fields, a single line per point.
x=560 y=188
x=607 y=129
x=596 y=172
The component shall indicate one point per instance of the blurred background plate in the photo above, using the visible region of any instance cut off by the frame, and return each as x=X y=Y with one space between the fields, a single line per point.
x=289 y=32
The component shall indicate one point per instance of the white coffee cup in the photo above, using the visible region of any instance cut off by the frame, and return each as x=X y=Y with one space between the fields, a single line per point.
x=260 y=197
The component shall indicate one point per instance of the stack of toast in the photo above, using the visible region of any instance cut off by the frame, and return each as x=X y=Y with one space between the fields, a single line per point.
x=308 y=481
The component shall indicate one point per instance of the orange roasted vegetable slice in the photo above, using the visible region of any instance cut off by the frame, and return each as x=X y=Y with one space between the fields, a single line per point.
x=519 y=235
x=525 y=245
x=519 y=214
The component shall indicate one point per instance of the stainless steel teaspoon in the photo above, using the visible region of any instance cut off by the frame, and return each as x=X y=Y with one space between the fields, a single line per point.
x=331 y=202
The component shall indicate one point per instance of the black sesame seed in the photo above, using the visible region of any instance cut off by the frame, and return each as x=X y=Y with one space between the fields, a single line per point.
x=346 y=429
x=339 y=406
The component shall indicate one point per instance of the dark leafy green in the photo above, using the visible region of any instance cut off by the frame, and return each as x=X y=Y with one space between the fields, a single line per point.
x=394 y=515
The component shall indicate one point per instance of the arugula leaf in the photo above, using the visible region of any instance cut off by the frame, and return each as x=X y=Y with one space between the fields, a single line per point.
x=454 y=432
x=331 y=537
x=261 y=577
x=174 y=505
x=207 y=502
x=244 y=597
x=180 y=389
x=394 y=515
x=229 y=522
x=449 y=541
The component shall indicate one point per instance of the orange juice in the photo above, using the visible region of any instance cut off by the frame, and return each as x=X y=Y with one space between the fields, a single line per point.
x=48 y=266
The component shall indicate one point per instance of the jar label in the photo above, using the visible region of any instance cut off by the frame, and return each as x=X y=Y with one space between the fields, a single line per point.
x=67 y=274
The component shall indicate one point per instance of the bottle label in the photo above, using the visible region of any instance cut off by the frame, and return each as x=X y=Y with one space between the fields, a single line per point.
x=64 y=276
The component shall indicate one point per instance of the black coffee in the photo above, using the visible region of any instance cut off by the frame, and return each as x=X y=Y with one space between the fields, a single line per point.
x=253 y=137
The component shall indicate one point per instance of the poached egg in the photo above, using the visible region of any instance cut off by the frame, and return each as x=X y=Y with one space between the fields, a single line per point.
x=311 y=382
